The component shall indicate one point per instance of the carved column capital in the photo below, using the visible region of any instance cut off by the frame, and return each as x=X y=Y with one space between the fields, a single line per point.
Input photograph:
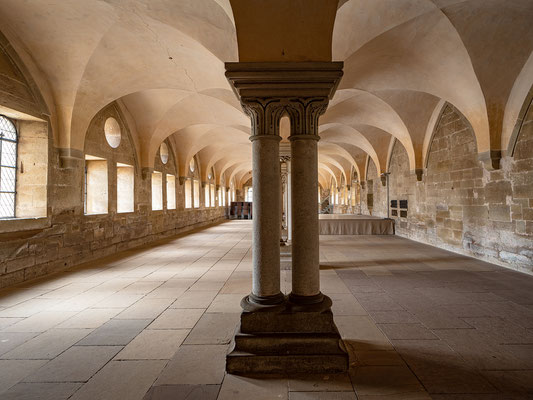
x=266 y=90
x=304 y=114
x=265 y=114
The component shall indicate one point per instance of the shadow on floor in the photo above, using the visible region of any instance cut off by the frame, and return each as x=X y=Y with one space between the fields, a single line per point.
x=414 y=367
x=395 y=261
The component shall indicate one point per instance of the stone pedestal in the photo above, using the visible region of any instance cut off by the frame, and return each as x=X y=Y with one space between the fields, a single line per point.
x=289 y=338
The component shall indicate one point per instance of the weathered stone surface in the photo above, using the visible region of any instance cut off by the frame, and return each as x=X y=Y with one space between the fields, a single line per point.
x=460 y=205
x=71 y=238
x=285 y=340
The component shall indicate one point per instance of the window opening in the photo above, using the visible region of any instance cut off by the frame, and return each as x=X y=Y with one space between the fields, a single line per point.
x=8 y=167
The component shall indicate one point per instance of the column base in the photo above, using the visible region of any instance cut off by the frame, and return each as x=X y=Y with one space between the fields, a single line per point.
x=288 y=338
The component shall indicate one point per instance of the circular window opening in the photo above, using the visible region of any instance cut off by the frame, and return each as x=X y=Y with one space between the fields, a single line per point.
x=192 y=165
x=112 y=132
x=163 y=153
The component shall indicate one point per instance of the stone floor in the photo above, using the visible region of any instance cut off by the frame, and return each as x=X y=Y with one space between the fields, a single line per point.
x=155 y=323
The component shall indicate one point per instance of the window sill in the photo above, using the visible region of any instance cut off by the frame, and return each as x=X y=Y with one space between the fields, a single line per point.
x=10 y=225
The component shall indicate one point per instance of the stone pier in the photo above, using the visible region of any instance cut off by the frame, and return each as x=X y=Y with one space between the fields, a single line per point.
x=279 y=334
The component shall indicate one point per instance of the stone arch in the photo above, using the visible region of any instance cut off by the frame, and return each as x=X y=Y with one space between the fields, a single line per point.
x=25 y=96
x=171 y=167
x=431 y=129
x=95 y=143
x=519 y=124
x=523 y=149
x=517 y=106
x=402 y=184
x=449 y=115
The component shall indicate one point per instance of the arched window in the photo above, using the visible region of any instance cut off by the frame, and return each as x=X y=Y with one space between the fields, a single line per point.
x=8 y=167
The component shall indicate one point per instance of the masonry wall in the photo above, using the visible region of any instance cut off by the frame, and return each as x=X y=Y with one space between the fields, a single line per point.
x=31 y=248
x=375 y=204
x=461 y=206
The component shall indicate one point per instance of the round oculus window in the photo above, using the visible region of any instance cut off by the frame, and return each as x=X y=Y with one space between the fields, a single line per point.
x=112 y=132
x=163 y=153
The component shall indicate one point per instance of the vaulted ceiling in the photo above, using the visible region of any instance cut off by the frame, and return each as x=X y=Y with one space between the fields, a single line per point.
x=163 y=62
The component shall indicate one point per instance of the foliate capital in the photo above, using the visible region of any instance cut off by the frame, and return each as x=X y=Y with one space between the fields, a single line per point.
x=267 y=90
x=304 y=114
x=264 y=113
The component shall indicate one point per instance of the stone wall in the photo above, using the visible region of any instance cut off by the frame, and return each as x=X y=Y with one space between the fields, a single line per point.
x=463 y=207
x=31 y=248
x=378 y=193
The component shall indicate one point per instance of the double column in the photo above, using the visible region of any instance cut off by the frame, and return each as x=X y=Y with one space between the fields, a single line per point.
x=266 y=92
x=276 y=334
x=303 y=114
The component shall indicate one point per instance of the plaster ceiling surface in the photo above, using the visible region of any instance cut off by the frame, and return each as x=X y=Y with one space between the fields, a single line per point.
x=163 y=61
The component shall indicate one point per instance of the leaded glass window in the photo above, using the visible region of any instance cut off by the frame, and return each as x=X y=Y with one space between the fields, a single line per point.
x=8 y=167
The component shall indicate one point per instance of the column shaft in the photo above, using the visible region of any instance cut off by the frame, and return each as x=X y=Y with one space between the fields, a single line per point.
x=266 y=228
x=304 y=181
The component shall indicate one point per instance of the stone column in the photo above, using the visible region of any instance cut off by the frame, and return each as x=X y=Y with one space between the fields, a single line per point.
x=304 y=114
x=289 y=203
x=283 y=198
x=266 y=202
x=276 y=335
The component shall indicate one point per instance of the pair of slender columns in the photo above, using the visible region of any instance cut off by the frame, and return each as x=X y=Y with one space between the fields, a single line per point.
x=267 y=91
x=266 y=231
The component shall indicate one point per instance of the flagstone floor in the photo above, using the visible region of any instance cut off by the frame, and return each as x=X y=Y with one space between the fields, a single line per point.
x=155 y=323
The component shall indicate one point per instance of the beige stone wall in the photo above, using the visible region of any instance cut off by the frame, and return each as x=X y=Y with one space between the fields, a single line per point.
x=376 y=190
x=32 y=178
x=67 y=237
x=463 y=207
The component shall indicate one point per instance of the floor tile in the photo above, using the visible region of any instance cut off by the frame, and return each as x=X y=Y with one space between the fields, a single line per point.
x=226 y=303
x=384 y=380
x=153 y=345
x=195 y=365
x=322 y=396
x=121 y=380
x=68 y=368
x=362 y=333
x=177 y=318
x=40 y=322
x=41 y=391
x=262 y=388
x=90 y=318
x=5 y=322
x=320 y=383
x=13 y=371
x=115 y=333
x=28 y=308
x=10 y=340
x=47 y=345
x=183 y=392
x=213 y=328
x=118 y=300
x=145 y=309
x=195 y=299
x=406 y=331
x=346 y=304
